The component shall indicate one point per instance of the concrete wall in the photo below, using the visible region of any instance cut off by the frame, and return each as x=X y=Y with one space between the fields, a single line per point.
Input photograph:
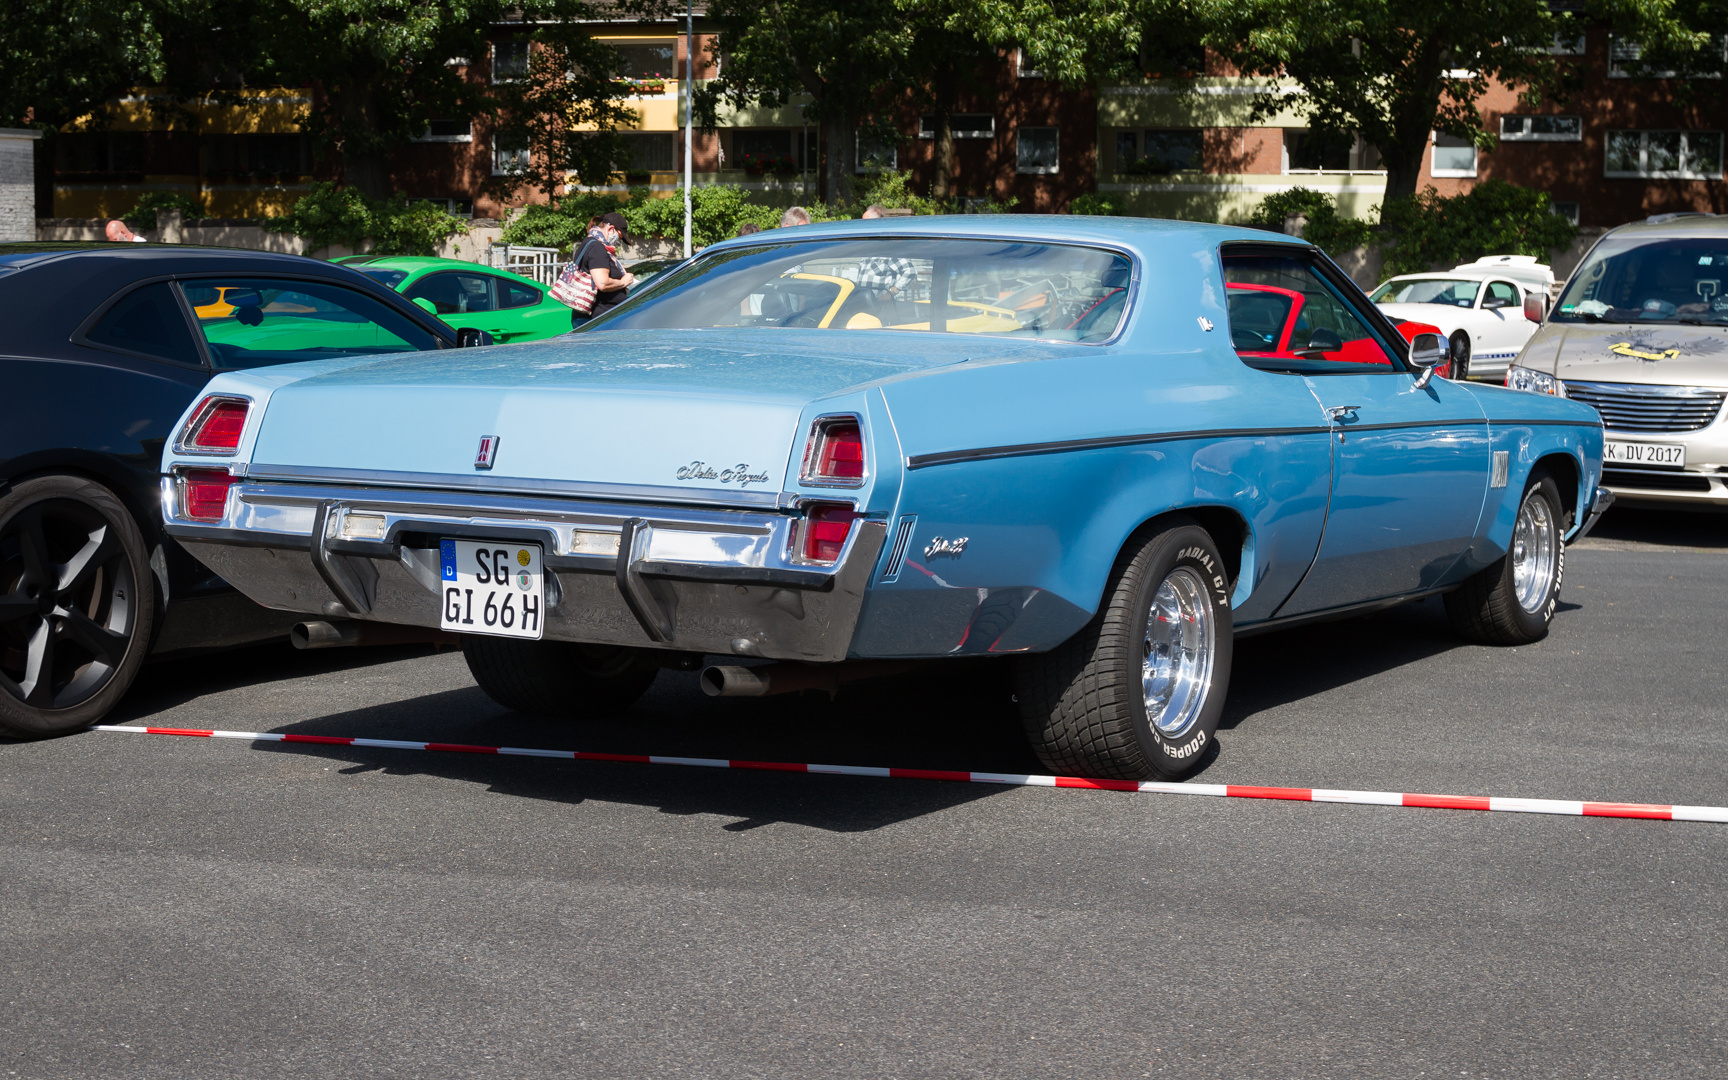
x=18 y=183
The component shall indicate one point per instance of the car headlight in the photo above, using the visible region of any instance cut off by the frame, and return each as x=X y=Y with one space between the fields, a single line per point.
x=1536 y=382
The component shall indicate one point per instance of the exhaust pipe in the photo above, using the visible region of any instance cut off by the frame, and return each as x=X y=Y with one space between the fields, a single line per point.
x=331 y=635
x=730 y=680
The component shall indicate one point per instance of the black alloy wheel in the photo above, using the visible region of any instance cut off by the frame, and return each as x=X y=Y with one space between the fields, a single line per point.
x=77 y=603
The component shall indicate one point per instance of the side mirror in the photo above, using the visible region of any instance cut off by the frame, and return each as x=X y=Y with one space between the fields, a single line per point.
x=1533 y=307
x=1427 y=352
x=425 y=305
x=1321 y=341
x=469 y=338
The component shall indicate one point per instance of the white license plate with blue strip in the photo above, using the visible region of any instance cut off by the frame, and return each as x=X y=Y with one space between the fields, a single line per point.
x=492 y=587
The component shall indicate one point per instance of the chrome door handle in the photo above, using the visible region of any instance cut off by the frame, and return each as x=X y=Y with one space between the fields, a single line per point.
x=1341 y=412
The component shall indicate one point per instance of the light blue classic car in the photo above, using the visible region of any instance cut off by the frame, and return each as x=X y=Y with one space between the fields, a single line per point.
x=1105 y=446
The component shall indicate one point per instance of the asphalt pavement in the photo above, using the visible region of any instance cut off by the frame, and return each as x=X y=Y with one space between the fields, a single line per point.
x=188 y=907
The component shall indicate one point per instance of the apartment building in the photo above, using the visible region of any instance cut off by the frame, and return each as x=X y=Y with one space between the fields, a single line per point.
x=1630 y=142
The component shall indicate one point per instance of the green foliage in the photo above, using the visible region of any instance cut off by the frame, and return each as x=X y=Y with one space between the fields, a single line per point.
x=1094 y=205
x=329 y=215
x=60 y=59
x=143 y=216
x=716 y=211
x=1493 y=218
x=1326 y=229
x=564 y=225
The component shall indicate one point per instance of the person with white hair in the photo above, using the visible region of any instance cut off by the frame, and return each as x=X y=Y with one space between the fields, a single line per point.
x=794 y=215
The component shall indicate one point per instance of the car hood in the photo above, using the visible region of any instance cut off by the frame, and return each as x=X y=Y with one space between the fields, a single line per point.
x=1436 y=314
x=621 y=407
x=1619 y=352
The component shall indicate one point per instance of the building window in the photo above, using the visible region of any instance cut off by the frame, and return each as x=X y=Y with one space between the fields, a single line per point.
x=1453 y=157
x=650 y=151
x=648 y=65
x=453 y=206
x=1567 y=45
x=1327 y=151
x=1665 y=155
x=509 y=61
x=775 y=151
x=1037 y=150
x=1542 y=128
x=1161 y=153
x=964 y=125
x=447 y=131
x=1626 y=61
x=255 y=159
x=1023 y=70
x=876 y=155
x=100 y=154
x=1567 y=210
x=509 y=155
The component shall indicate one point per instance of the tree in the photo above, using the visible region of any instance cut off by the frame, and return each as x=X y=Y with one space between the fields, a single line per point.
x=839 y=54
x=563 y=111
x=61 y=60
x=1392 y=70
x=381 y=69
x=941 y=54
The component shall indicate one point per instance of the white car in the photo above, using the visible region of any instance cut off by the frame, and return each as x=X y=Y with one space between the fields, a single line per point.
x=1479 y=307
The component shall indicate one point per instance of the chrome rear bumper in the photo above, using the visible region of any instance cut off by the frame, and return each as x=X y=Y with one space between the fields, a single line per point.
x=676 y=578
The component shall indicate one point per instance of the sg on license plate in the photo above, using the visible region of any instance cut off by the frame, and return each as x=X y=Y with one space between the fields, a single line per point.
x=492 y=588
x=1632 y=453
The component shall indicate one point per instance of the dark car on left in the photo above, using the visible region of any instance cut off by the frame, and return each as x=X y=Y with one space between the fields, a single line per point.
x=103 y=347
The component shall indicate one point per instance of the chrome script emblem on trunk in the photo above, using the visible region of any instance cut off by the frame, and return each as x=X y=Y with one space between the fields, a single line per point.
x=488 y=452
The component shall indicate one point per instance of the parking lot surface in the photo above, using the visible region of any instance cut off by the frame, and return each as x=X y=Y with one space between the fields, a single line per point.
x=189 y=907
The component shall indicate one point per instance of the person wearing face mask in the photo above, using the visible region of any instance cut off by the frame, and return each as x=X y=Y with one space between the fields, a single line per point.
x=599 y=257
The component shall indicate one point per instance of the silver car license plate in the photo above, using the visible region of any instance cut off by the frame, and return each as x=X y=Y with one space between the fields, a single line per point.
x=1637 y=453
x=492 y=587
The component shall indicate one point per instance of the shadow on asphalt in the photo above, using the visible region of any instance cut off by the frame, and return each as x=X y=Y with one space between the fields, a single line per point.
x=958 y=718
x=1664 y=528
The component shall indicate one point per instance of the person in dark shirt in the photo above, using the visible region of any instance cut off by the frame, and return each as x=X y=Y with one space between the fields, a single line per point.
x=599 y=256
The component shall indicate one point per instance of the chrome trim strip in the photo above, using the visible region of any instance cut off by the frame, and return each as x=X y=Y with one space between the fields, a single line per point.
x=519 y=486
x=949 y=457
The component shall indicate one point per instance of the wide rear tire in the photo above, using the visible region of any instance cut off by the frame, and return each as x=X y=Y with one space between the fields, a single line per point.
x=1138 y=693
x=1513 y=601
x=77 y=604
x=558 y=678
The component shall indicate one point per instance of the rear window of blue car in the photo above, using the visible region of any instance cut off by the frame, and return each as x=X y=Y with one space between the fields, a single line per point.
x=1001 y=288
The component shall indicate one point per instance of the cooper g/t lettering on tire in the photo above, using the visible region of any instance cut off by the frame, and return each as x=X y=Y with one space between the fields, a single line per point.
x=1137 y=694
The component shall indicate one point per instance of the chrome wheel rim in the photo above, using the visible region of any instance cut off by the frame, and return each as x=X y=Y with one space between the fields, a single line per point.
x=66 y=604
x=1177 y=655
x=1535 y=552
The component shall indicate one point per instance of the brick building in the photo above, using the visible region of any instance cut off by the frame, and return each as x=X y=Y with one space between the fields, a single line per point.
x=1628 y=143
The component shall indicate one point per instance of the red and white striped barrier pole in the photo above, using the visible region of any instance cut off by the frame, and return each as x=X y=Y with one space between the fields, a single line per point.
x=1228 y=791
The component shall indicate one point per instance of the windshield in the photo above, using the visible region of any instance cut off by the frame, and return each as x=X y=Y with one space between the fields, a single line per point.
x=1660 y=281
x=1010 y=288
x=387 y=278
x=1453 y=292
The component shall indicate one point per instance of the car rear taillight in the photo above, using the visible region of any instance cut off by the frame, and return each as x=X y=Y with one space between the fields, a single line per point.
x=216 y=426
x=826 y=527
x=835 y=453
x=204 y=493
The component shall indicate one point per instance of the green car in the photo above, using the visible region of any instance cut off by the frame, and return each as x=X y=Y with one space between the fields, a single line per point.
x=508 y=306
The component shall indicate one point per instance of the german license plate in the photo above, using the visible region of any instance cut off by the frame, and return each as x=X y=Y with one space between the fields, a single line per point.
x=1638 y=453
x=492 y=588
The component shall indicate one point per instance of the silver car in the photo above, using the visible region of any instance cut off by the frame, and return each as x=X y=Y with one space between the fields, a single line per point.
x=1641 y=333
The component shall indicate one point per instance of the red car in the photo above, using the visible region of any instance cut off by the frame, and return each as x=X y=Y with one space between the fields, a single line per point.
x=1269 y=321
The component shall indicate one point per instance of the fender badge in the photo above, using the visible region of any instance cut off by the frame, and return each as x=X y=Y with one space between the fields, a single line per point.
x=953 y=548
x=1205 y=323
x=488 y=452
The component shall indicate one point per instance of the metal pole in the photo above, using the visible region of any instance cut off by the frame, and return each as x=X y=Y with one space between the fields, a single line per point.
x=689 y=111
